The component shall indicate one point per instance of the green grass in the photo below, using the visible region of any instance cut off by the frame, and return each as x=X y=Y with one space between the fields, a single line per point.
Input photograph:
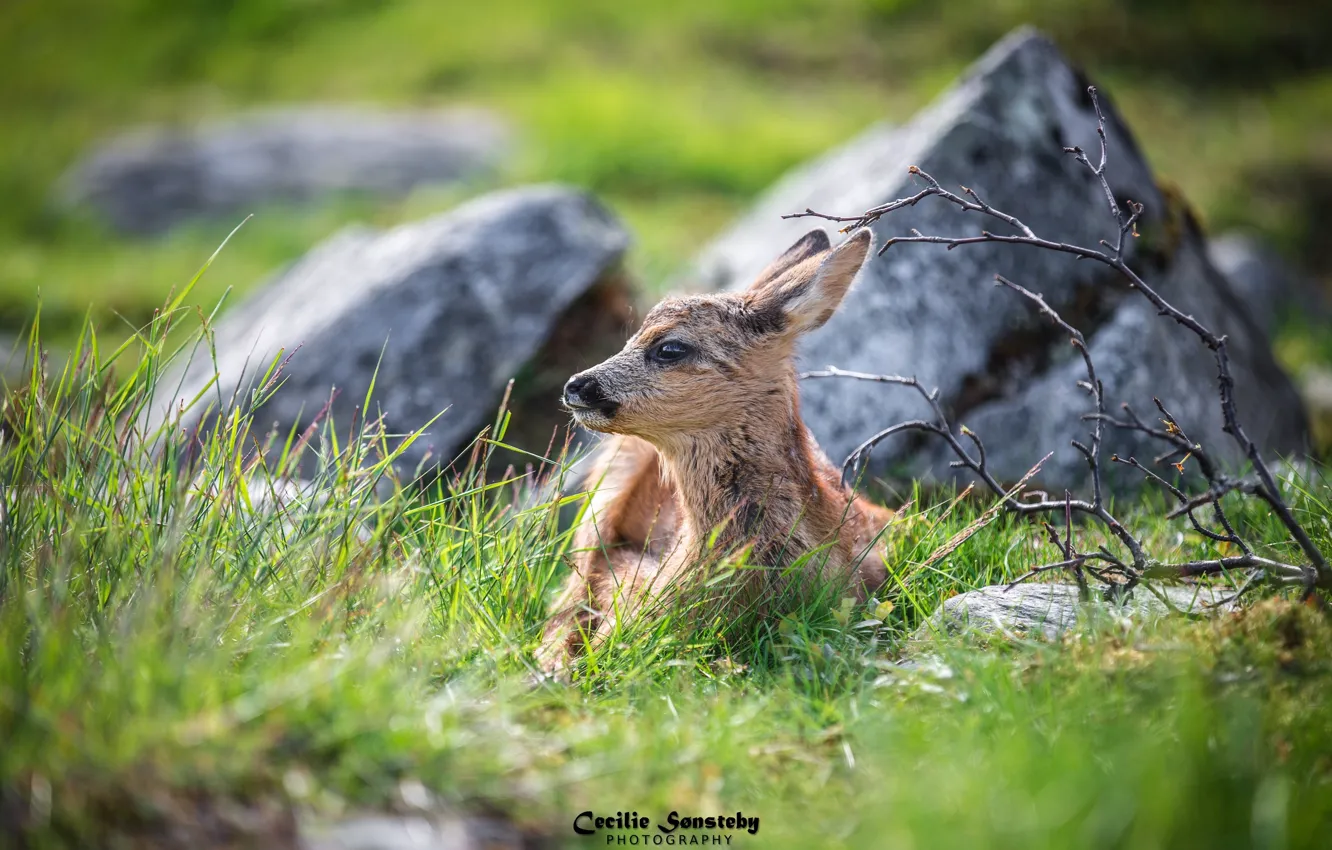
x=676 y=113
x=174 y=652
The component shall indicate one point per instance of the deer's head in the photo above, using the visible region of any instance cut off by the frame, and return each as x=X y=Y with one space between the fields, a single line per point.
x=716 y=361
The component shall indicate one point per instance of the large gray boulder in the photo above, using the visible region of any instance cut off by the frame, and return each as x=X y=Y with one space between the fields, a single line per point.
x=151 y=179
x=442 y=313
x=1001 y=368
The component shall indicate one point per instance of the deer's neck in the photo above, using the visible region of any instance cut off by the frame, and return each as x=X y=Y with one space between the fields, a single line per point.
x=754 y=480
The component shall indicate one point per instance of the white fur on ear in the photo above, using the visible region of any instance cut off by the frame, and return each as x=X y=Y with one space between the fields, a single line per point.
x=813 y=302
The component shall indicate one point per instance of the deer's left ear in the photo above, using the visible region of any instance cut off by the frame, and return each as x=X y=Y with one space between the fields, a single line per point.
x=806 y=297
x=806 y=247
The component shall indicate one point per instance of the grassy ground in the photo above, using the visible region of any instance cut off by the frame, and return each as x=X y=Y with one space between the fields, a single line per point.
x=182 y=663
x=677 y=113
x=185 y=665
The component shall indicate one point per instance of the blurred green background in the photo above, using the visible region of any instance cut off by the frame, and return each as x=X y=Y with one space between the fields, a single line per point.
x=676 y=113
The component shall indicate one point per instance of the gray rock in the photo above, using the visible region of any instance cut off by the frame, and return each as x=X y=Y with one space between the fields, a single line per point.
x=415 y=832
x=1261 y=278
x=1049 y=610
x=1001 y=368
x=148 y=180
x=1316 y=389
x=13 y=360
x=291 y=506
x=445 y=310
x=16 y=365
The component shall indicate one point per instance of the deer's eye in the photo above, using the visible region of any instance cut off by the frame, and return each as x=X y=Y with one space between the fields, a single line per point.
x=670 y=351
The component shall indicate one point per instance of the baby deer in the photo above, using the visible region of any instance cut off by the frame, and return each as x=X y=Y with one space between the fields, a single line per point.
x=710 y=454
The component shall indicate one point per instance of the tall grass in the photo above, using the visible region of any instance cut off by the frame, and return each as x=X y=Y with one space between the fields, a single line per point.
x=212 y=634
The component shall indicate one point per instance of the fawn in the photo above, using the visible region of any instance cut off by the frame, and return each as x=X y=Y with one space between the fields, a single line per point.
x=709 y=454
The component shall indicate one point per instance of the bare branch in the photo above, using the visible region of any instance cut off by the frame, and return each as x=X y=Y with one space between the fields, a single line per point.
x=1035 y=571
x=1138 y=564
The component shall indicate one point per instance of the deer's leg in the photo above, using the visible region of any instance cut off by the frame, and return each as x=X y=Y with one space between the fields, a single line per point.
x=589 y=606
x=630 y=519
x=872 y=540
x=576 y=615
x=631 y=588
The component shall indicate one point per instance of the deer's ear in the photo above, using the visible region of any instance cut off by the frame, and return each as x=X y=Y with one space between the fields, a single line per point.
x=812 y=243
x=808 y=296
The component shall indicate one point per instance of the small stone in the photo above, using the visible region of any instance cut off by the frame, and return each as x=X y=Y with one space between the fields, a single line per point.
x=1316 y=388
x=384 y=832
x=1049 y=610
x=1262 y=278
x=415 y=832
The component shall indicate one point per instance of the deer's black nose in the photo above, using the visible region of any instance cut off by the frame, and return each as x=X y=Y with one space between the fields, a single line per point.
x=584 y=391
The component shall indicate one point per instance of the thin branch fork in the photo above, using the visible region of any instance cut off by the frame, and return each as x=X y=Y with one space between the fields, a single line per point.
x=1188 y=505
x=1262 y=484
x=1220 y=483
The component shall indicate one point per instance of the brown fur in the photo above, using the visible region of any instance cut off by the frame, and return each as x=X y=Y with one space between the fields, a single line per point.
x=713 y=441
